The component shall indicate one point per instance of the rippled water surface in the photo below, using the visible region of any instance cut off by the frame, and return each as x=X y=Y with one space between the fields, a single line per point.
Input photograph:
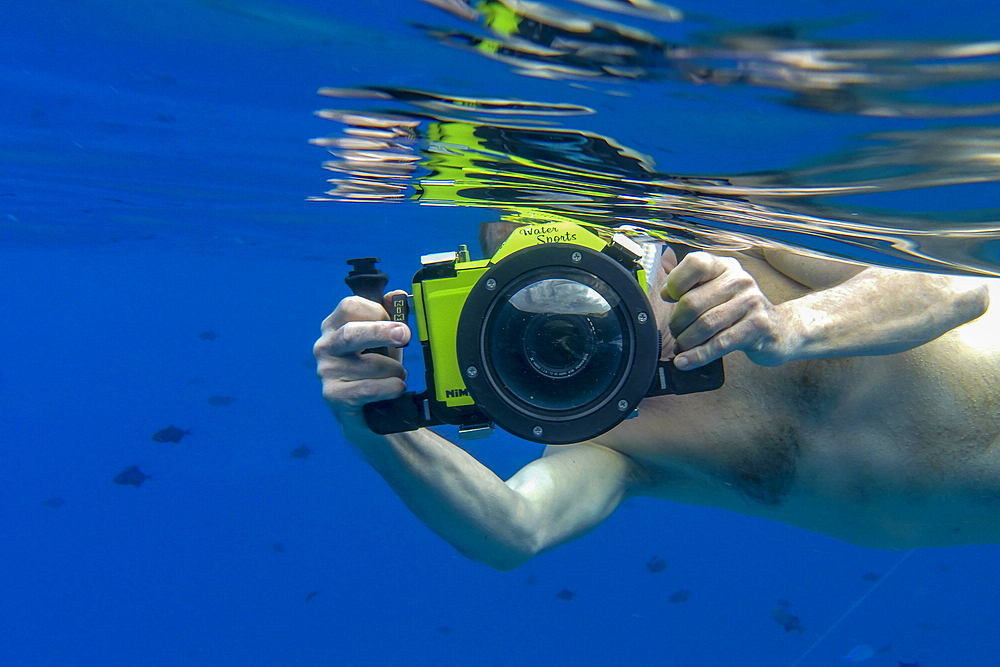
x=920 y=113
x=827 y=126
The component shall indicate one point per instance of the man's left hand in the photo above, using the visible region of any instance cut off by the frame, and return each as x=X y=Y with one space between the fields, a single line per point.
x=719 y=308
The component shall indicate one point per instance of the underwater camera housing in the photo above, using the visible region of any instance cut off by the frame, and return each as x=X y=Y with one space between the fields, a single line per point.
x=553 y=339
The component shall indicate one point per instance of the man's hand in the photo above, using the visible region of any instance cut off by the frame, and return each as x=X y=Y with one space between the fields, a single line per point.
x=352 y=377
x=719 y=309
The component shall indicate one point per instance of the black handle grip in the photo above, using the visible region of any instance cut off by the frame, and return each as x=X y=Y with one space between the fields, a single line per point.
x=405 y=413
x=365 y=279
x=669 y=380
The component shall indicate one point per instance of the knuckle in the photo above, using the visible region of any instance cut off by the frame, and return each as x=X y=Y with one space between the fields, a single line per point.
x=321 y=347
x=700 y=260
x=724 y=342
x=757 y=320
x=743 y=280
x=349 y=333
x=730 y=263
x=355 y=334
x=326 y=368
x=361 y=308
x=712 y=320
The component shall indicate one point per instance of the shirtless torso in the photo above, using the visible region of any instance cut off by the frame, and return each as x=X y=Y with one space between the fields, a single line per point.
x=888 y=451
x=859 y=403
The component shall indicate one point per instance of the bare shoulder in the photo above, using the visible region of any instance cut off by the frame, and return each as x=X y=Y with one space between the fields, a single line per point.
x=811 y=271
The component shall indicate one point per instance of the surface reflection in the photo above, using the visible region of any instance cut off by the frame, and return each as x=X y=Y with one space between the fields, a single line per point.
x=870 y=78
x=510 y=157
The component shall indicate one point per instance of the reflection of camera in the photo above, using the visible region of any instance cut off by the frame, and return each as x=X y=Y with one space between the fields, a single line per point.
x=553 y=339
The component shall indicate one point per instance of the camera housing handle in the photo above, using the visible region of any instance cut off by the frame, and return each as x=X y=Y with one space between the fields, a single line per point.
x=409 y=411
x=365 y=280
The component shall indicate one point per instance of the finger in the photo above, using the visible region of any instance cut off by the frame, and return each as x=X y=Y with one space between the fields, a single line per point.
x=370 y=366
x=728 y=340
x=694 y=269
x=352 y=396
x=703 y=311
x=355 y=337
x=354 y=309
x=351 y=382
x=707 y=324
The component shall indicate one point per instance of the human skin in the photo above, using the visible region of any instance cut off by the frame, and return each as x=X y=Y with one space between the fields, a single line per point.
x=859 y=402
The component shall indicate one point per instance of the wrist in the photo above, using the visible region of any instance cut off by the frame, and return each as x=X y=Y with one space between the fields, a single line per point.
x=356 y=430
x=800 y=332
x=787 y=338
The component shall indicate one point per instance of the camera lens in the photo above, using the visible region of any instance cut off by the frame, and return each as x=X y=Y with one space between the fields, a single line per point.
x=556 y=343
x=559 y=345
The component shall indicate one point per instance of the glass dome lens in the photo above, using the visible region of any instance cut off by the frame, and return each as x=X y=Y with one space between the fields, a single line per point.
x=557 y=343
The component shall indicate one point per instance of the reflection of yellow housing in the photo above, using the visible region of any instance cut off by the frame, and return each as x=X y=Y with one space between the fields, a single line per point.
x=441 y=288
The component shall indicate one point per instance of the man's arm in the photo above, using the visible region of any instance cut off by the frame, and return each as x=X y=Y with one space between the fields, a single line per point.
x=855 y=310
x=503 y=524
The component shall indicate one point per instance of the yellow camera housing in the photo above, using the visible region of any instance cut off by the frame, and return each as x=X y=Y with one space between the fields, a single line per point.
x=553 y=339
x=442 y=298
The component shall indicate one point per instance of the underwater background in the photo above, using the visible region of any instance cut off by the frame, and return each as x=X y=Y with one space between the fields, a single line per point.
x=173 y=491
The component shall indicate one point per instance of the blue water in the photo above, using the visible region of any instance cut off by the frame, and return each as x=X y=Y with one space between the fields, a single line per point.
x=154 y=168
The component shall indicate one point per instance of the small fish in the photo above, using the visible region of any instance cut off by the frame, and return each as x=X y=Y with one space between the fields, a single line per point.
x=859 y=653
x=678 y=597
x=784 y=603
x=300 y=452
x=170 y=434
x=208 y=335
x=566 y=594
x=130 y=476
x=789 y=622
x=221 y=400
x=870 y=576
x=908 y=664
x=54 y=503
x=444 y=630
x=279 y=547
x=530 y=580
x=311 y=595
x=656 y=564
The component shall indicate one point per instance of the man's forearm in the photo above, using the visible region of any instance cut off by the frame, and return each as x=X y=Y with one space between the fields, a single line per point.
x=460 y=499
x=879 y=311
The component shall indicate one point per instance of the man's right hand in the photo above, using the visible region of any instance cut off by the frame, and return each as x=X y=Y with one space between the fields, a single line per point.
x=352 y=377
